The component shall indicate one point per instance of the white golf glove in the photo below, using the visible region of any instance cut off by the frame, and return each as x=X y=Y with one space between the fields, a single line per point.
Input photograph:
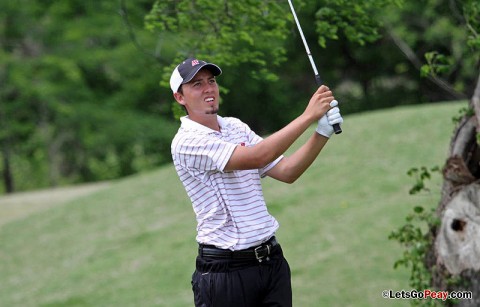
x=325 y=124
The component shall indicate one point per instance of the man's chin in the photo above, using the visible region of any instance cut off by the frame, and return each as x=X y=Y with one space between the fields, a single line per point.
x=212 y=111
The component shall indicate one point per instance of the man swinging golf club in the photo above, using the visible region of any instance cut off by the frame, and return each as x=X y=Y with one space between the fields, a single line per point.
x=220 y=162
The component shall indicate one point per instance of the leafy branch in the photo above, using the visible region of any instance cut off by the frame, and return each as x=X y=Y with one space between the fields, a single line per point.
x=416 y=235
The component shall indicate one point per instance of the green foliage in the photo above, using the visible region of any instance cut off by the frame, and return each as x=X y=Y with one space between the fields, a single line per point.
x=467 y=111
x=252 y=40
x=416 y=236
x=437 y=64
x=421 y=174
x=77 y=102
x=453 y=38
x=354 y=18
x=229 y=33
x=471 y=13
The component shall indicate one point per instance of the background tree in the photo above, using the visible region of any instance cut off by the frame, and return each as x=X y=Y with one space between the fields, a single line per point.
x=77 y=103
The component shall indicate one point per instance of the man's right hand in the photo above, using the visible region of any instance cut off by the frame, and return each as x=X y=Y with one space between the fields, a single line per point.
x=319 y=104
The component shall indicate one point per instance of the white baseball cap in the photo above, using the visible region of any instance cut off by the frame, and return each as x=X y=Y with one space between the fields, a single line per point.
x=185 y=72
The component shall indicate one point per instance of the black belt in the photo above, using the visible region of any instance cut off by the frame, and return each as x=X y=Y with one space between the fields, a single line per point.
x=260 y=252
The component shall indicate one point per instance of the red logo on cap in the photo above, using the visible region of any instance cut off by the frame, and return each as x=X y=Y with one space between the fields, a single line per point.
x=195 y=62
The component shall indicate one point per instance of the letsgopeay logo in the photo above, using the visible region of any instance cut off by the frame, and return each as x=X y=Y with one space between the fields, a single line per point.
x=426 y=294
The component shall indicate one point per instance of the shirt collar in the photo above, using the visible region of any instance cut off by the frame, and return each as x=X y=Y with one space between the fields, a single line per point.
x=189 y=124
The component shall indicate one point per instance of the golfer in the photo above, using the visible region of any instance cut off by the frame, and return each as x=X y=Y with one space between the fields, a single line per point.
x=220 y=162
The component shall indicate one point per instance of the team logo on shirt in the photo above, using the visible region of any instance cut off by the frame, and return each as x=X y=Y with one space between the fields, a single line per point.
x=242 y=144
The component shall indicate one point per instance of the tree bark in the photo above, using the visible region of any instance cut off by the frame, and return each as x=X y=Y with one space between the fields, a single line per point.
x=7 y=171
x=455 y=252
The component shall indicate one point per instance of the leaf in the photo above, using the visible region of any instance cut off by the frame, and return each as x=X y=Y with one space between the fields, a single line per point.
x=418 y=209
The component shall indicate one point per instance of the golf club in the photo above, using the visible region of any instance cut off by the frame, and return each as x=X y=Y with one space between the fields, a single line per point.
x=318 y=80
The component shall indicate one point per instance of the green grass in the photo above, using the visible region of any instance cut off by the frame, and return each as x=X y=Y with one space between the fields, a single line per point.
x=132 y=242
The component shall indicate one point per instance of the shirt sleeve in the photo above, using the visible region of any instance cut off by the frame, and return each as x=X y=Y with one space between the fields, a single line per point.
x=263 y=171
x=202 y=154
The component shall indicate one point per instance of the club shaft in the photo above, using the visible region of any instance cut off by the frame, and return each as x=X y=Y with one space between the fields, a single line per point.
x=336 y=127
x=309 y=54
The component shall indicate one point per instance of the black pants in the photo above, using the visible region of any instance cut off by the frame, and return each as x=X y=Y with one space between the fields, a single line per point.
x=242 y=283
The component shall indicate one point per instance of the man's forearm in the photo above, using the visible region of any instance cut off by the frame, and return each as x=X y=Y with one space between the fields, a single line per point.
x=293 y=166
x=270 y=148
x=277 y=143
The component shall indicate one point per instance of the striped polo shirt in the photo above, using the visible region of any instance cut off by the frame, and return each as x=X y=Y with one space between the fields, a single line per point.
x=229 y=206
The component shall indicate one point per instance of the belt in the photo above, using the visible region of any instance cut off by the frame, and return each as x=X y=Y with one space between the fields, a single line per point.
x=259 y=253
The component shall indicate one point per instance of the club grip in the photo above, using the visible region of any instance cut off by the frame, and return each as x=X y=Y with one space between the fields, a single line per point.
x=337 y=129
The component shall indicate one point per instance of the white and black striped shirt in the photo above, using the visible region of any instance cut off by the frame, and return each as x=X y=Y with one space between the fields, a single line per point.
x=229 y=206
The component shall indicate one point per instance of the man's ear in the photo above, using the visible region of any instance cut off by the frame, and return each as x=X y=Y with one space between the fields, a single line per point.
x=179 y=98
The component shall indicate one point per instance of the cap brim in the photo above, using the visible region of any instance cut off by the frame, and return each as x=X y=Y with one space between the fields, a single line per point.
x=216 y=71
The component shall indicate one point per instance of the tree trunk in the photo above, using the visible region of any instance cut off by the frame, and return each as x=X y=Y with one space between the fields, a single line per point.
x=455 y=252
x=7 y=171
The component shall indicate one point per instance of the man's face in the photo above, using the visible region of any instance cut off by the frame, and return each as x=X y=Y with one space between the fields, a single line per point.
x=200 y=95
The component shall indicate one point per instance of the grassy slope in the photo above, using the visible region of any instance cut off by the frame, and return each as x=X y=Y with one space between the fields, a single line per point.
x=132 y=243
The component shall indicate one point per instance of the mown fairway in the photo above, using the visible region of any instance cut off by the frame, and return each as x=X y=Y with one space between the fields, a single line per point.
x=132 y=242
